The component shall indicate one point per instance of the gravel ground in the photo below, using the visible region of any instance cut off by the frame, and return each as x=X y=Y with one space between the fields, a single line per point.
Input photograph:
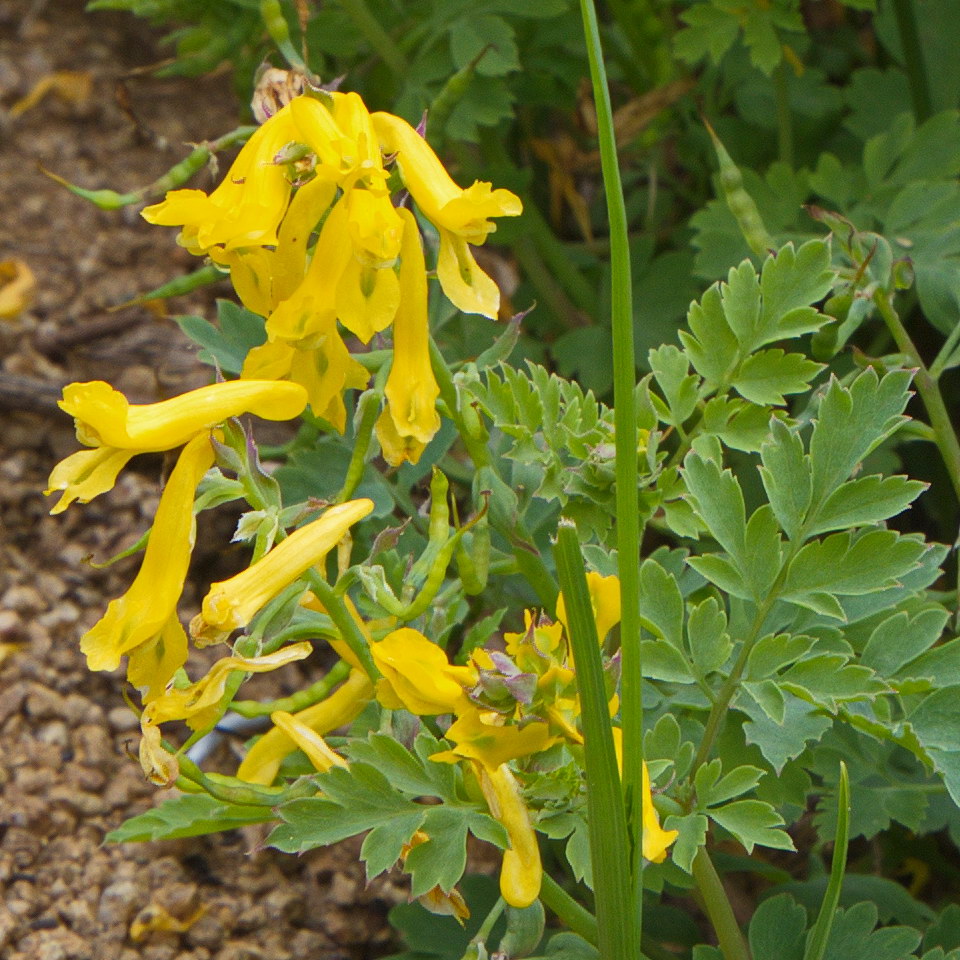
x=67 y=775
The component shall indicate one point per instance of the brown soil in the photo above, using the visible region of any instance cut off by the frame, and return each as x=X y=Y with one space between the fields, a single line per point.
x=66 y=774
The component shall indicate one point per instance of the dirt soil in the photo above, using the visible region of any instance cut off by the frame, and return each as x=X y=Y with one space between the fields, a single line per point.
x=67 y=776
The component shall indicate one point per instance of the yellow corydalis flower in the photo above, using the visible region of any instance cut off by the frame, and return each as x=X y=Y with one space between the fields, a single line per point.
x=233 y=603
x=199 y=705
x=485 y=737
x=308 y=740
x=246 y=208
x=604 y=599
x=462 y=216
x=522 y=872
x=417 y=675
x=149 y=608
x=656 y=840
x=262 y=762
x=118 y=429
x=410 y=419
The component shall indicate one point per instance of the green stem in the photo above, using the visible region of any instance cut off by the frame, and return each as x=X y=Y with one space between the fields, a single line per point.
x=575 y=916
x=376 y=36
x=913 y=61
x=343 y=621
x=625 y=416
x=928 y=387
x=486 y=928
x=784 y=115
x=717 y=904
x=618 y=913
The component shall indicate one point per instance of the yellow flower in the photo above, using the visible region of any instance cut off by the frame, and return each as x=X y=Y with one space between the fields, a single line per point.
x=120 y=430
x=479 y=736
x=368 y=291
x=417 y=675
x=522 y=872
x=656 y=840
x=144 y=612
x=461 y=216
x=152 y=665
x=411 y=389
x=262 y=762
x=604 y=599
x=246 y=208
x=199 y=705
x=308 y=740
x=321 y=365
x=233 y=603
x=104 y=417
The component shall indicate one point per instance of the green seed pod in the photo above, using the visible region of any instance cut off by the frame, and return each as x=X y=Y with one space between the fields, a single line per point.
x=740 y=203
x=524 y=931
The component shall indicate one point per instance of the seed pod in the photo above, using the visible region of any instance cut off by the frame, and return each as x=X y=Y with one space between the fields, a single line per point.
x=741 y=204
x=524 y=931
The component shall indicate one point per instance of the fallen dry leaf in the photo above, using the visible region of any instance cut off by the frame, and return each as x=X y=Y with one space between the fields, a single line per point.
x=71 y=86
x=17 y=284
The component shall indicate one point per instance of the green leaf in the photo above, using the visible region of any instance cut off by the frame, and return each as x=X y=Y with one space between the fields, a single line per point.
x=189 y=815
x=790 y=282
x=709 y=643
x=777 y=929
x=711 y=344
x=936 y=724
x=765 y=377
x=709 y=32
x=900 y=639
x=717 y=498
x=842 y=565
x=240 y=331
x=780 y=742
x=712 y=789
x=753 y=822
x=671 y=369
x=865 y=501
x=786 y=476
x=663 y=661
x=769 y=697
x=441 y=860
x=828 y=679
x=762 y=553
x=661 y=606
x=692 y=834
x=851 y=422
x=773 y=652
x=490 y=36
x=853 y=937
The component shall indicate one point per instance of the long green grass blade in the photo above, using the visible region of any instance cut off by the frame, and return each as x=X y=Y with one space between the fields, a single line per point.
x=618 y=920
x=817 y=944
x=625 y=417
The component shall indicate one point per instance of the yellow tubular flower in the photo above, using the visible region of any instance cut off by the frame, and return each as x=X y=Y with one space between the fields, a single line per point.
x=246 y=208
x=86 y=474
x=151 y=666
x=522 y=872
x=461 y=216
x=417 y=675
x=311 y=308
x=309 y=741
x=656 y=840
x=411 y=388
x=604 y=599
x=322 y=365
x=262 y=762
x=198 y=703
x=233 y=603
x=396 y=450
x=104 y=417
x=368 y=292
x=144 y=611
x=492 y=743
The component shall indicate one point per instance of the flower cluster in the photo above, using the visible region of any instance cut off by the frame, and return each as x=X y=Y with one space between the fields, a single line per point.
x=322 y=164
x=498 y=708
